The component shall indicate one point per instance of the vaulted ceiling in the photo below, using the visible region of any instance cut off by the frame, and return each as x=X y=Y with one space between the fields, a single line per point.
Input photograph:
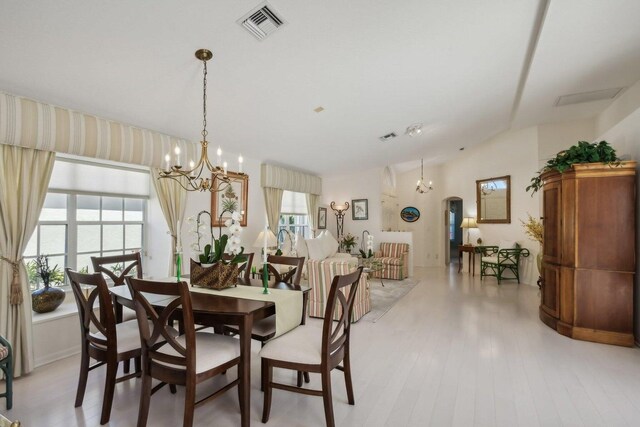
x=466 y=69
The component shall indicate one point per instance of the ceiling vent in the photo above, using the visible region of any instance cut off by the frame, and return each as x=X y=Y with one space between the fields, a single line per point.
x=387 y=137
x=596 y=95
x=262 y=21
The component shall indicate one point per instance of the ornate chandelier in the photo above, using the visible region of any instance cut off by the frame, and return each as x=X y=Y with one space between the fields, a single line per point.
x=197 y=178
x=421 y=187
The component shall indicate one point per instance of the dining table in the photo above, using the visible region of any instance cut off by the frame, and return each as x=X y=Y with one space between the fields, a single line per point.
x=215 y=309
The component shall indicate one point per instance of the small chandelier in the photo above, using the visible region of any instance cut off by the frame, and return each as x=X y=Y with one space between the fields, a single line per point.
x=421 y=187
x=197 y=178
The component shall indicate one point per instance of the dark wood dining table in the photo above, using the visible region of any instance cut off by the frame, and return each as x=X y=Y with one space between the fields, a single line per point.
x=213 y=310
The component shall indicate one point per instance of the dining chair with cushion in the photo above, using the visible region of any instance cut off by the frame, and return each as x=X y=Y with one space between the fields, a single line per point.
x=305 y=349
x=187 y=359
x=103 y=339
x=116 y=268
x=6 y=366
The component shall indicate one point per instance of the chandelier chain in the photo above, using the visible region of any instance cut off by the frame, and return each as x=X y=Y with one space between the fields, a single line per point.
x=204 y=101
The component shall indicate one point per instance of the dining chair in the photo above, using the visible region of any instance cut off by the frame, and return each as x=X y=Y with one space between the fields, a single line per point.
x=109 y=343
x=304 y=349
x=245 y=268
x=6 y=366
x=172 y=359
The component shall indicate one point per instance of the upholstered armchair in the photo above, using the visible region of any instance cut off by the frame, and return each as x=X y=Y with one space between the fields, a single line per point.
x=395 y=259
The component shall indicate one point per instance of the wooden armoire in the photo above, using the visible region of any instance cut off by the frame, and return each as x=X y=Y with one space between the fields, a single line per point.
x=589 y=251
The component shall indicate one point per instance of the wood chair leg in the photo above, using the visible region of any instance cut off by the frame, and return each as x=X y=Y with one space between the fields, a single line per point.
x=189 y=403
x=347 y=377
x=173 y=389
x=267 y=378
x=109 y=388
x=327 y=399
x=145 y=400
x=82 y=378
x=307 y=378
x=126 y=366
x=299 y=379
x=138 y=364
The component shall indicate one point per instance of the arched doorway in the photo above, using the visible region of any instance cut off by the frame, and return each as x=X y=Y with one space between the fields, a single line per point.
x=453 y=214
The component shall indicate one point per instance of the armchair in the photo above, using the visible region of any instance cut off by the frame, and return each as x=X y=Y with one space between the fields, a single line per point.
x=395 y=259
x=6 y=366
x=495 y=260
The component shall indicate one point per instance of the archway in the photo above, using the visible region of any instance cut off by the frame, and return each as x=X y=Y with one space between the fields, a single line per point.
x=453 y=214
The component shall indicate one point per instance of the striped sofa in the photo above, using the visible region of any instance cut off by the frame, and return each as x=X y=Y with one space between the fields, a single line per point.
x=321 y=273
x=395 y=258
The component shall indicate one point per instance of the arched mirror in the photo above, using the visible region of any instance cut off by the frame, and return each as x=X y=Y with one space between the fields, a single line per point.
x=493 y=197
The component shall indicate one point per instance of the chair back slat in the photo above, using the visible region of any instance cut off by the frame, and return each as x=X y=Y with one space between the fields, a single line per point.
x=335 y=334
x=292 y=276
x=244 y=269
x=105 y=324
x=128 y=261
x=157 y=336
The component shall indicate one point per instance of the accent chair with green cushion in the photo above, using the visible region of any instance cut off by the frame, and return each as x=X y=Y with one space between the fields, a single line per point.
x=496 y=260
x=6 y=365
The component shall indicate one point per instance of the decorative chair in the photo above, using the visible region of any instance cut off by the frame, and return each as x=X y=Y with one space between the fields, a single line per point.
x=6 y=366
x=110 y=344
x=245 y=267
x=304 y=349
x=129 y=262
x=395 y=260
x=496 y=259
x=188 y=359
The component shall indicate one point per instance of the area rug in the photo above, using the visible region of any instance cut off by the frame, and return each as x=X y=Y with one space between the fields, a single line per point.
x=383 y=298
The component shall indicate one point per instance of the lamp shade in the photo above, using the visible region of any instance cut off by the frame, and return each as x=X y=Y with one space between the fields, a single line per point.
x=469 y=222
x=271 y=240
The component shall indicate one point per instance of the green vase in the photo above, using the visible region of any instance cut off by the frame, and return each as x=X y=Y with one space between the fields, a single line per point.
x=46 y=299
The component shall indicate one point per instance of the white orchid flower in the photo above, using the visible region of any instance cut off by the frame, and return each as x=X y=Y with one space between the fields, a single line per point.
x=236 y=216
x=228 y=223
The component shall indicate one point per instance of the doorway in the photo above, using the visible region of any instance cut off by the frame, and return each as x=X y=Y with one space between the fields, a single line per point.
x=453 y=237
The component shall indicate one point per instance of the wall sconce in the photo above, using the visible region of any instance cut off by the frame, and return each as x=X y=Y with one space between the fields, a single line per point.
x=339 y=210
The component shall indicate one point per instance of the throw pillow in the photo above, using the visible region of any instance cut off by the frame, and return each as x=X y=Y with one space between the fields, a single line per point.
x=315 y=248
x=330 y=244
x=301 y=247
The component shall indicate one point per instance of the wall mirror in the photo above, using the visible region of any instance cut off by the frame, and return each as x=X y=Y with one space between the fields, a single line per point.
x=493 y=196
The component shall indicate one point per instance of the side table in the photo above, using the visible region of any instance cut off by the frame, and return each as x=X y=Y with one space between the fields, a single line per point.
x=471 y=250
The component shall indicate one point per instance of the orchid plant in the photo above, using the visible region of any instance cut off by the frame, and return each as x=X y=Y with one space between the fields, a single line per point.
x=214 y=252
x=369 y=248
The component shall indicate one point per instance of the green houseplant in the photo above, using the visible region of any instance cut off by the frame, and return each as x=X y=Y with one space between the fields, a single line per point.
x=582 y=152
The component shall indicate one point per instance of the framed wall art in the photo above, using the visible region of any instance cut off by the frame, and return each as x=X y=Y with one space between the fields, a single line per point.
x=322 y=218
x=410 y=214
x=359 y=209
x=235 y=197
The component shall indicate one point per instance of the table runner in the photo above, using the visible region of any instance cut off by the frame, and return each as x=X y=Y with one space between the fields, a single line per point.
x=288 y=303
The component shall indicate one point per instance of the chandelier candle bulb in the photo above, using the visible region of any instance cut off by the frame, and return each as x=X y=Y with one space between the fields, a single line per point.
x=224 y=165
x=192 y=165
x=240 y=161
x=167 y=160
x=219 y=153
x=177 y=151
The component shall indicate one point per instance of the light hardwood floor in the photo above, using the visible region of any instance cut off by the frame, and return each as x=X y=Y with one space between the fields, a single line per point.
x=453 y=351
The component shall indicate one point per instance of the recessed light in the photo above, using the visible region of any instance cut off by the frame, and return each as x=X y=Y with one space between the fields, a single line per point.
x=414 y=130
x=319 y=109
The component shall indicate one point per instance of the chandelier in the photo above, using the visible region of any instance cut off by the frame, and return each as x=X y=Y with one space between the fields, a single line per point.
x=197 y=177
x=421 y=187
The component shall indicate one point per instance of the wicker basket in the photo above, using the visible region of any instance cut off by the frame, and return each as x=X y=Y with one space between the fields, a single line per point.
x=219 y=276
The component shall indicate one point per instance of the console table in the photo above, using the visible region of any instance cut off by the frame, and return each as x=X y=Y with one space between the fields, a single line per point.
x=471 y=250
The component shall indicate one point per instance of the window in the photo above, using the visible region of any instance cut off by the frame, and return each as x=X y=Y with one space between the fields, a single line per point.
x=452 y=226
x=293 y=216
x=74 y=227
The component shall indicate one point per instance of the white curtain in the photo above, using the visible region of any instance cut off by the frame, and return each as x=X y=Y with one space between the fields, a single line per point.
x=312 y=210
x=24 y=179
x=273 y=202
x=173 y=201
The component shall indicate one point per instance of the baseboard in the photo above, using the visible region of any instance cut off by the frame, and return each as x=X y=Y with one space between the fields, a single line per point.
x=52 y=357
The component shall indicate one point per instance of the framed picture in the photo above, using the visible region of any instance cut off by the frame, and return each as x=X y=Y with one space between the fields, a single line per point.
x=322 y=218
x=233 y=197
x=359 y=209
x=410 y=214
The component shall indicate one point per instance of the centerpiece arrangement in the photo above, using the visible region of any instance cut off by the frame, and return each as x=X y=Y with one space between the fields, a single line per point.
x=50 y=296
x=348 y=241
x=218 y=261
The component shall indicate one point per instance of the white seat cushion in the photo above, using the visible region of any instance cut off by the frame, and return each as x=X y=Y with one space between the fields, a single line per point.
x=211 y=350
x=128 y=336
x=494 y=260
x=301 y=345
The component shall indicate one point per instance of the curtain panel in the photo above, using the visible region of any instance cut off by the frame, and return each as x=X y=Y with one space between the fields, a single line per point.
x=33 y=124
x=272 y=203
x=24 y=179
x=173 y=201
x=312 y=209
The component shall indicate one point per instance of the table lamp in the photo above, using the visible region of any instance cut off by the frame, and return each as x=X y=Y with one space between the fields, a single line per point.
x=468 y=222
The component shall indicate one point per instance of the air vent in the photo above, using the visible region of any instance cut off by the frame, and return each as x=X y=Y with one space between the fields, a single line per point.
x=262 y=21
x=387 y=137
x=596 y=95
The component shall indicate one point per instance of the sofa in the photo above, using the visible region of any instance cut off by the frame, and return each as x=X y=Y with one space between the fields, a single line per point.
x=323 y=263
x=395 y=259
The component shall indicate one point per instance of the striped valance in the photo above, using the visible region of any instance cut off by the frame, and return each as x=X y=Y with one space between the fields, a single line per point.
x=32 y=124
x=290 y=180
